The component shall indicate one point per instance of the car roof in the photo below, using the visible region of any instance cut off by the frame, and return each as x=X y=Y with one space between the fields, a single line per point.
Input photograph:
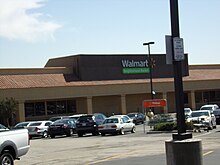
x=201 y=111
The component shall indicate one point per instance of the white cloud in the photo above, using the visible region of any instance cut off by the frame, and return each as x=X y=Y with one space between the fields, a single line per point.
x=17 y=23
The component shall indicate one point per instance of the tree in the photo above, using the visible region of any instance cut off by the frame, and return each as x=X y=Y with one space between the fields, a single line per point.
x=7 y=108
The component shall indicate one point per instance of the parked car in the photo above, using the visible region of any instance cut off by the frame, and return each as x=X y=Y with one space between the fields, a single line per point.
x=217 y=115
x=125 y=116
x=13 y=145
x=76 y=116
x=137 y=117
x=203 y=117
x=210 y=107
x=114 y=125
x=66 y=126
x=21 y=125
x=3 y=128
x=187 y=112
x=89 y=124
x=39 y=128
x=53 y=119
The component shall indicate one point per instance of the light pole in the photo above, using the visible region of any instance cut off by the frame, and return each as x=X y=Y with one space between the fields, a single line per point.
x=150 y=68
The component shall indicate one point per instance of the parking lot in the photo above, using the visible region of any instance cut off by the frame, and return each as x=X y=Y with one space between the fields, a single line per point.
x=97 y=149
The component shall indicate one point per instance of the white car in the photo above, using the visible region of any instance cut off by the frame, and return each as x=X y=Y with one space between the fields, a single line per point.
x=187 y=112
x=39 y=128
x=203 y=117
x=124 y=116
x=114 y=125
x=210 y=107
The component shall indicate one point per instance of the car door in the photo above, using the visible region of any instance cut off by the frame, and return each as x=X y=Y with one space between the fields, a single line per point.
x=126 y=124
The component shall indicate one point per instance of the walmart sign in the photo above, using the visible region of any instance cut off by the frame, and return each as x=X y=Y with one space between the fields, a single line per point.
x=134 y=67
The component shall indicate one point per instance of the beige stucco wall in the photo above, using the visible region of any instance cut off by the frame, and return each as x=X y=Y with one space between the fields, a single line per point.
x=108 y=98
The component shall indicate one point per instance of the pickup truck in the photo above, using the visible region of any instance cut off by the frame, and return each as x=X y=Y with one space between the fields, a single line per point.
x=13 y=144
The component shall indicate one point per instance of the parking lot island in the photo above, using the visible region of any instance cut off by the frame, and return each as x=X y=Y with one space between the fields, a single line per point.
x=184 y=152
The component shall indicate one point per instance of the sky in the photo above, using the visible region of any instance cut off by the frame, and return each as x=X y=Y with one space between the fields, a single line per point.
x=33 y=31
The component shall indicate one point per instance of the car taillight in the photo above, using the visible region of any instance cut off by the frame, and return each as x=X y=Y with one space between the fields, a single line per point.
x=114 y=126
x=28 y=138
x=101 y=126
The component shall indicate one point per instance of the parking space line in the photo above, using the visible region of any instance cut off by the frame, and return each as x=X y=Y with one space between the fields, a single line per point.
x=207 y=153
x=110 y=158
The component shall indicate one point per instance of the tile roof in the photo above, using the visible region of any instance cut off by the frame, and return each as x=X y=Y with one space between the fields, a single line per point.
x=60 y=80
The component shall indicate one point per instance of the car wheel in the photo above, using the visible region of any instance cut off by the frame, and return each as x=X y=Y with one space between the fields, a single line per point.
x=95 y=133
x=45 y=134
x=133 y=130
x=52 y=136
x=103 y=134
x=70 y=133
x=6 y=159
x=210 y=127
x=80 y=134
x=122 y=131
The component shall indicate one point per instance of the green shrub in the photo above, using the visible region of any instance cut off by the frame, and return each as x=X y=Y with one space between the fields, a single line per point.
x=167 y=126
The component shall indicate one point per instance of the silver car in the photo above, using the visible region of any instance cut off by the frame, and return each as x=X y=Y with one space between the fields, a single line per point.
x=39 y=128
x=115 y=125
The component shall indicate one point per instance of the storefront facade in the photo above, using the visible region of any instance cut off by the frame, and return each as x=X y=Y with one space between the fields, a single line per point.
x=106 y=84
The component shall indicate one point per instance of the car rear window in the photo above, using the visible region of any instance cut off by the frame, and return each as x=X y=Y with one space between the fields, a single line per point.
x=86 y=118
x=35 y=124
x=114 y=120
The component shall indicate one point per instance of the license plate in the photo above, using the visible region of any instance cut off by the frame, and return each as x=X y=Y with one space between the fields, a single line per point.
x=83 y=124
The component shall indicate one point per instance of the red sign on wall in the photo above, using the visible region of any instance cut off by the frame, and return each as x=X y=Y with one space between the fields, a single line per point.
x=154 y=103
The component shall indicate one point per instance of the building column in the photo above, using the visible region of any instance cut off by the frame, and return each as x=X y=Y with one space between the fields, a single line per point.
x=89 y=105
x=123 y=105
x=165 y=109
x=20 y=112
x=192 y=100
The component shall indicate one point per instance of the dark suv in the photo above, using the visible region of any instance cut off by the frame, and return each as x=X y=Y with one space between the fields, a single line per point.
x=89 y=124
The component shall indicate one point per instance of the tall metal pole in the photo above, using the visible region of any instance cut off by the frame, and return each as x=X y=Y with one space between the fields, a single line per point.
x=150 y=68
x=150 y=72
x=177 y=67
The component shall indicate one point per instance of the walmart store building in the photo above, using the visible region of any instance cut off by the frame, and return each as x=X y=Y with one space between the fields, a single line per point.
x=104 y=83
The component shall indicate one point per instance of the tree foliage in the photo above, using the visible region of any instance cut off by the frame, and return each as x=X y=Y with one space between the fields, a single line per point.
x=7 y=108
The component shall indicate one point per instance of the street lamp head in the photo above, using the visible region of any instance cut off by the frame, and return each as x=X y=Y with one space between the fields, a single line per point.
x=148 y=43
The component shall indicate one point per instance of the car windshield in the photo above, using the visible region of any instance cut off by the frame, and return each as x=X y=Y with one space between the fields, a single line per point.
x=187 y=110
x=198 y=114
x=206 y=108
x=114 y=120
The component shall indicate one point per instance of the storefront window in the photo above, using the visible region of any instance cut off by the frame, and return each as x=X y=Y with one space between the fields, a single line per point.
x=198 y=96
x=39 y=109
x=51 y=107
x=34 y=109
x=29 y=109
x=61 y=107
x=71 y=106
